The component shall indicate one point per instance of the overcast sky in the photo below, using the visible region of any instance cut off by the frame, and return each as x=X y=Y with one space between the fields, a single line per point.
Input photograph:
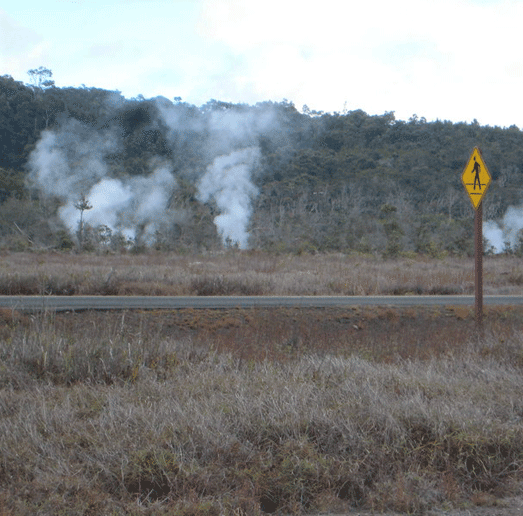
x=455 y=60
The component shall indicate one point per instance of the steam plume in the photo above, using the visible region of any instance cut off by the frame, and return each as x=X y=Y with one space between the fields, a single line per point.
x=232 y=149
x=71 y=161
x=228 y=181
x=131 y=207
x=506 y=232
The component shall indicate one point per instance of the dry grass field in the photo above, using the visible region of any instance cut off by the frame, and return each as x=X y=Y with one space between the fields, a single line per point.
x=247 y=412
x=250 y=273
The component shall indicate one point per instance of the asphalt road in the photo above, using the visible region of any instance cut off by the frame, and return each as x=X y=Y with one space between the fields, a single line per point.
x=72 y=303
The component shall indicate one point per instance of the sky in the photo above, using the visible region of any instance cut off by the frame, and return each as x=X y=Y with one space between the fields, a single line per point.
x=456 y=60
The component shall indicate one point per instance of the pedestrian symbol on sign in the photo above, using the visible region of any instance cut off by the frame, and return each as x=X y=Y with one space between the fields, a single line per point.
x=476 y=169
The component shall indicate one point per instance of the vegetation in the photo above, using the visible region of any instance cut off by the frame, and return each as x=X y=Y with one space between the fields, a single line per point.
x=237 y=272
x=245 y=412
x=325 y=181
x=130 y=420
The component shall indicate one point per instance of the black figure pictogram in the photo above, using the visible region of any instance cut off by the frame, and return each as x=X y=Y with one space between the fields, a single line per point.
x=476 y=168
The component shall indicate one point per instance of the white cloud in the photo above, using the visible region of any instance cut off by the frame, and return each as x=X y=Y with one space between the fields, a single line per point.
x=451 y=59
x=440 y=59
x=19 y=46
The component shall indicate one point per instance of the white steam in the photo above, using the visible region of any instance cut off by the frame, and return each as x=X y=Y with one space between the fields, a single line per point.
x=228 y=181
x=70 y=162
x=508 y=231
x=232 y=146
x=136 y=204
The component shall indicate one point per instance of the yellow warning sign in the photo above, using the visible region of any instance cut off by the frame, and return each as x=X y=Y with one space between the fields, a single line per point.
x=476 y=178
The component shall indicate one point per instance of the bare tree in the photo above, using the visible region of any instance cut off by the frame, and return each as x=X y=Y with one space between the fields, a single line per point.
x=82 y=205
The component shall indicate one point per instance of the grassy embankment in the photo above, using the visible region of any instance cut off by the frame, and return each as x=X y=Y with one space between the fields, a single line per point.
x=249 y=273
x=243 y=412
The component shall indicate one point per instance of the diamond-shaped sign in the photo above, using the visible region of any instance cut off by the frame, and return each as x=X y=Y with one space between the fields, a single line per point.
x=476 y=178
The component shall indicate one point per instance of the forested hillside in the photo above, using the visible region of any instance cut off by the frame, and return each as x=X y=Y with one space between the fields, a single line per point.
x=87 y=169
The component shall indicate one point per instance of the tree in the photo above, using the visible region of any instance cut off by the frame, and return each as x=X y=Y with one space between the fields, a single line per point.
x=40 y=79
x=17 y=113
x=393 y=230
x=82 y=205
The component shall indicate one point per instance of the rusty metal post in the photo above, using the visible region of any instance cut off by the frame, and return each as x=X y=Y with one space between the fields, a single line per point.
x=478 y=272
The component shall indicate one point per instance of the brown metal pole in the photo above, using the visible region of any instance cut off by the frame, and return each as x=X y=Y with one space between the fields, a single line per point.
x=478 y=273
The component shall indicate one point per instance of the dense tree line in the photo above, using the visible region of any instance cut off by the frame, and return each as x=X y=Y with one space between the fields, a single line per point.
x=326 y=181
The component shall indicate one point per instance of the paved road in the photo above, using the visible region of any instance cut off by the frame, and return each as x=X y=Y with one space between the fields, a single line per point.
x=64 y=303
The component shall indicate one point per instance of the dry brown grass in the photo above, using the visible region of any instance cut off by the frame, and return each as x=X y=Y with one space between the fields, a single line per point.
x=241 y=412
x=250 y=273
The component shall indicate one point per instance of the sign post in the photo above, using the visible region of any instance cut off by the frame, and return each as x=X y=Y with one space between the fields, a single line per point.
x=478 y=263
x=476 y=180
